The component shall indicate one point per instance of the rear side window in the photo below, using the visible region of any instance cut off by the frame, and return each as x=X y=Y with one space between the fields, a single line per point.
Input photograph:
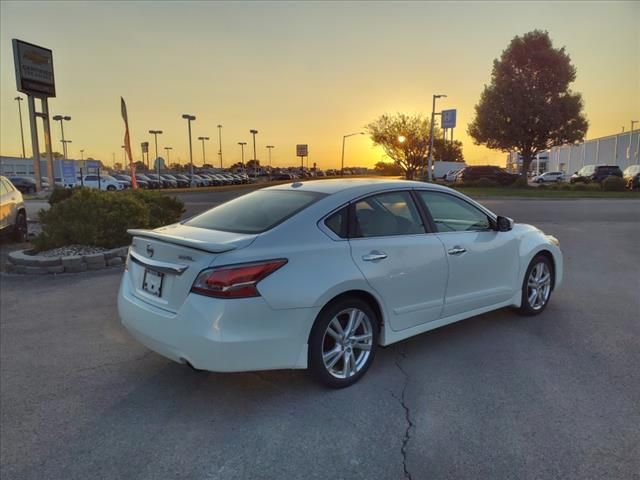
x=387 y=214
x=337 y=223
x=255 y=212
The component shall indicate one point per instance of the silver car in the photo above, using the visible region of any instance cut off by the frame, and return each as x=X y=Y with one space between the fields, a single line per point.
x=13 y=216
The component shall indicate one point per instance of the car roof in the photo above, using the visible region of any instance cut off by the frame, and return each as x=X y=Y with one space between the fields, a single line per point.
x=356 y=185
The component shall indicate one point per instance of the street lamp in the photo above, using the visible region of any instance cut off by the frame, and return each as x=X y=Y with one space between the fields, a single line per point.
x=255 y=160
x=61 y=118
x=270 y=147
x=20 y=99
x=344 y=138
x=630 y=155
x=64 y=147
x=242 y=144
x=219 y=144
x=81 y=155
x=155 y=134
x=189 y=119
x=203 y=156
x=168 y=150
x=433 y=114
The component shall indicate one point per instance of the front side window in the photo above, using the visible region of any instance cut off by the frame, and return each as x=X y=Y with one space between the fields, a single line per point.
x=386 y=214
x=255 y=212
x=452 y=214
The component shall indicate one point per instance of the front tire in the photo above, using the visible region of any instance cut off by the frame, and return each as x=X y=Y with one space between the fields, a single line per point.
x=20 y=229
x=537 y=286
x=343 y=342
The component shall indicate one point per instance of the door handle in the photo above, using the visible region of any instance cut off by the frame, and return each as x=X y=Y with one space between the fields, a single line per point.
x=456 y=250
x=373 y=256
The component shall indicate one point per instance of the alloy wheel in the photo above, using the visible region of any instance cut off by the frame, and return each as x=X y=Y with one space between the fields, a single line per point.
x=347 y=343
x=539 y=286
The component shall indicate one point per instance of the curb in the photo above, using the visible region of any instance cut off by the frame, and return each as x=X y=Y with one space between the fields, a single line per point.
x=21 y=261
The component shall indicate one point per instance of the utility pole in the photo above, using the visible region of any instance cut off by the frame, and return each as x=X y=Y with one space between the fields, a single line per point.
x=20 y=99
x=433 y=115
x=219 y=144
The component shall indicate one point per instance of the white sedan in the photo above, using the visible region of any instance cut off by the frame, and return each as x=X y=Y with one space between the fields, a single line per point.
x=319 y=274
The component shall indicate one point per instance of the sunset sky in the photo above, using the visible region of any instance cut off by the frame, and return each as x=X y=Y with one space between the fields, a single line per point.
x=299 y=72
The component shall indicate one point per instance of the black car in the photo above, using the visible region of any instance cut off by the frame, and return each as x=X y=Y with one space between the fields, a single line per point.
x=490 y=172
x=595 y=173
x=632 y=177
x=24 y=184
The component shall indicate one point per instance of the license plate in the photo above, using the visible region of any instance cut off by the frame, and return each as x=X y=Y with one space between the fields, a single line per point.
x=152 y=282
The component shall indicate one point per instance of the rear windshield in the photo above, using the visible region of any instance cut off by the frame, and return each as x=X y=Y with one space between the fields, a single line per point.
x=255 y=212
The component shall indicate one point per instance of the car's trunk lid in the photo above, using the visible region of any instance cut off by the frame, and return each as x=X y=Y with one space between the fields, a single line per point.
x=163 y=263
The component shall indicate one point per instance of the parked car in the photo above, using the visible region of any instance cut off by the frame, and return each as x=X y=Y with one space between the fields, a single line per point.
x=595 y=173
x=125 y=180
x=103 y=182
x=306 y=275
x=549 y=177
x=180 y=182
x=490 y=172
x=13 y=215
x=23 y=184
x=631 y=176
x=450 y=176
x=285 y=176
x=150 y=182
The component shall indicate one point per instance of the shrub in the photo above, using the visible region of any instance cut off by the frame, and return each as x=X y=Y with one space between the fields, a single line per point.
x=584 y=187
x=101 y=219
x=486 y=183
x=613 y=184
x=59 y=194
x=520 y=183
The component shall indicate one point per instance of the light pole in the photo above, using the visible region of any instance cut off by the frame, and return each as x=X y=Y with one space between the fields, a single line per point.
x=203 y=156
x=344 y=138
x=20 y=99
x=168 y=150
x=124 y=155
x=270 y=147
x=219 y=144
x=242 y=144
x=82 y=155
x=61 y=119
x=155 y=134
x=631 y=154
x=255 y=160
x=189 y=119
x=433 y=115
x=64 y=147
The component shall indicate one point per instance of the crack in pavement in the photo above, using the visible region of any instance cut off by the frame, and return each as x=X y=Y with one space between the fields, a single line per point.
x=410 y=425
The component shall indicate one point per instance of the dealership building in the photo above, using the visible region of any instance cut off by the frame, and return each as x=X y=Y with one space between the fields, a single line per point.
x=10 y=166
x=622 y=149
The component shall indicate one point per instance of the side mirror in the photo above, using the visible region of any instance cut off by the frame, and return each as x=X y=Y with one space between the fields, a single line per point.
x=503 y=224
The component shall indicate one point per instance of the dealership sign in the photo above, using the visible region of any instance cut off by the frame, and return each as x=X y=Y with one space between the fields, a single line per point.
x=34 y=69
x=449 y=118
x=302 y=150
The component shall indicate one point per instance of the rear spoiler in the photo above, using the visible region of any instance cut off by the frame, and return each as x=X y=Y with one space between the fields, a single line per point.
x=205 y=246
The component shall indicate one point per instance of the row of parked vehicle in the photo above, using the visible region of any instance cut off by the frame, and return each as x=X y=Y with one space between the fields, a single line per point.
x=182 y=180
x=587 y=174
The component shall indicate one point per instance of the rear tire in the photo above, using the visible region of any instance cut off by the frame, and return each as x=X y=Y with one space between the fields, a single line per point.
x=343 y=342
x=537 y=286
x=20 y=229
x=111 y=188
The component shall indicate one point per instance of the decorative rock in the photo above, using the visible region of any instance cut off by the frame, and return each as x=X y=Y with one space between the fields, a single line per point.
x=35 y=270
x=56 y=269
x=112 y=262
x=72 y=262
x=75 y=267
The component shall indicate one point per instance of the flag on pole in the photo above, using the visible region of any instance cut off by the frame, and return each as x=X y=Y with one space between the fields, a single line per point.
x=127 y=143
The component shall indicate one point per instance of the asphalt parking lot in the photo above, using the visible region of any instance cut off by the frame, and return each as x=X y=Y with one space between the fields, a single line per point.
x=494 y=397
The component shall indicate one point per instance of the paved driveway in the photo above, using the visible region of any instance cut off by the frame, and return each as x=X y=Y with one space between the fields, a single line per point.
x=497 y=396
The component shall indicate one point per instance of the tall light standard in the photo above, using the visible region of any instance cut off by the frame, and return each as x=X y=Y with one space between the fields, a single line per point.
x=155 y=134
x=630 y=155
x=242 y=144
x=270 y=147
x=124 y=155
x=82 y=155
x=203 y=156
x=61 y=119
x=65 y=148
x=344 y=138
x=190 y=118
x=219 y=144
x=168 y=150
x=20 y=99
x=433 y=115
x=255 y=160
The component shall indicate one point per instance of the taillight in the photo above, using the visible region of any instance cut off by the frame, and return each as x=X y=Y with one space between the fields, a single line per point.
x=235 y=281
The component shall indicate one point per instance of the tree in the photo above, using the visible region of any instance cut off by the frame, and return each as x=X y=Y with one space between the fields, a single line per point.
x=404 y=138
x=447 y=151
x=56 y=155
x=140 y=165
x=117 y=166
x=252 y=163
x=529 y=107
x=387 y=168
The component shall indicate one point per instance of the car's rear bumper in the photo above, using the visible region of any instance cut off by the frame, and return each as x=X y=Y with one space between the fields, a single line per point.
x=220 y=335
